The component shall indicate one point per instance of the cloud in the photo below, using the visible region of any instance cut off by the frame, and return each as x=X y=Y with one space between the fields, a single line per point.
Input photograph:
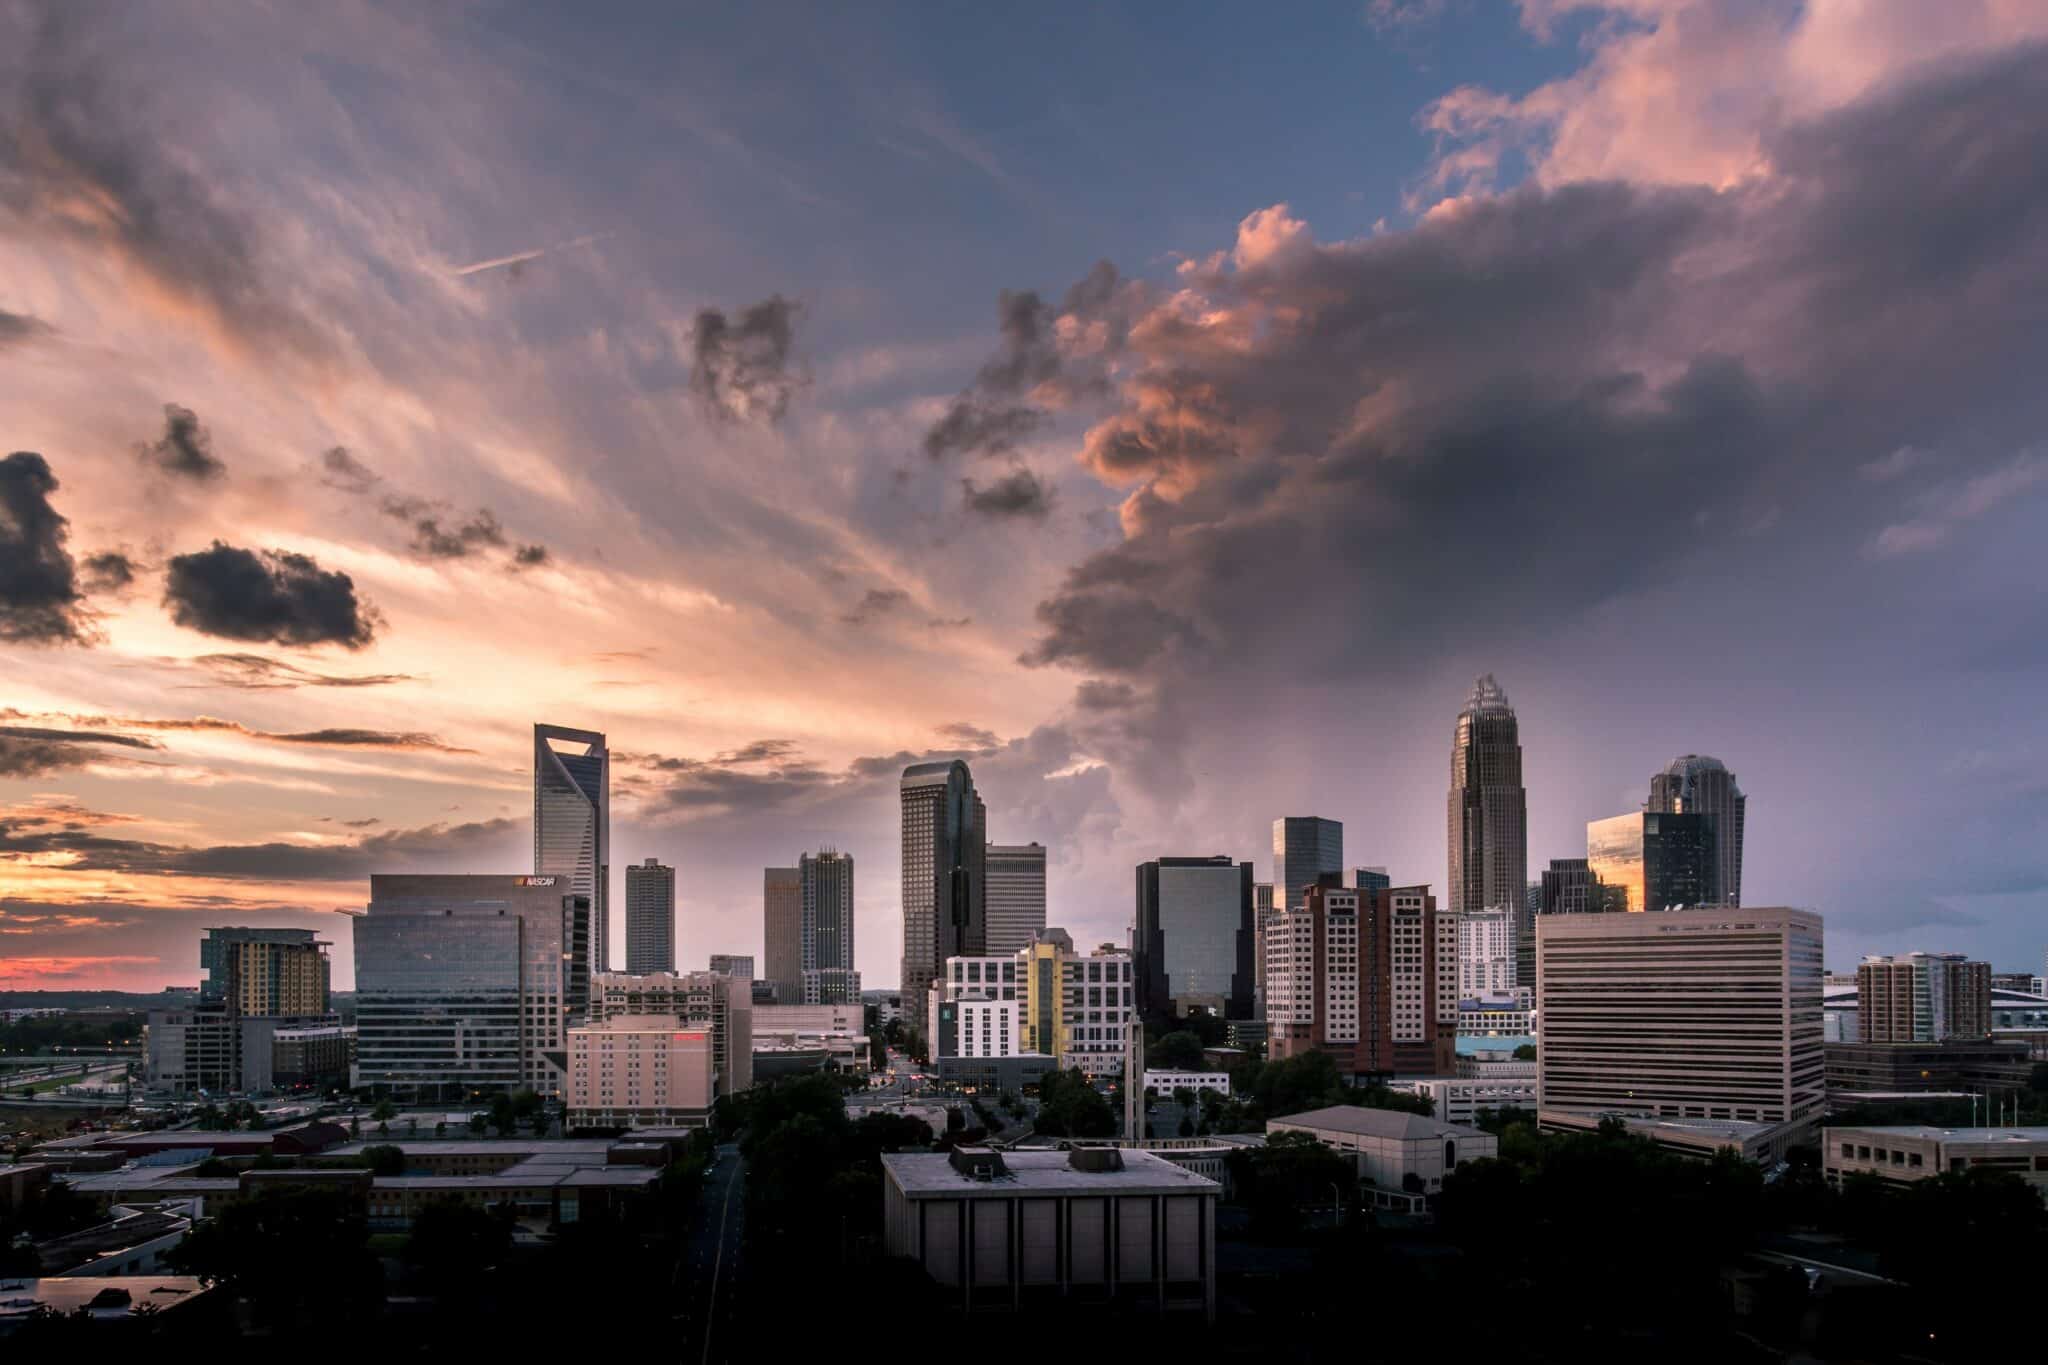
x=266 y=595
x=434 y=845
x=29 y=751
x=184 y=449
x=18 y=329
x=1017 y=494
x=480 y=532
x=740 y=371
x=876 y=604
x=1948 y=508
x=39 y=596
x=529 y=556
x=257 y=672
x=333 y=736
x=435 y=533
x=1902 y=461
x=39 y=973
x=339 y=469
x=109 y=571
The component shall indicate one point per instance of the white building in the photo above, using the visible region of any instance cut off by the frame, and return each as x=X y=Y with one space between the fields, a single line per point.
x=639 y=1071
x=1391 y=1147
x=1166 y=1082
x=1486 y=952
x=1458 y=1099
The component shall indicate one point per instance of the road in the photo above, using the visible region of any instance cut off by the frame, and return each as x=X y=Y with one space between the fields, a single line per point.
x=712 y=1266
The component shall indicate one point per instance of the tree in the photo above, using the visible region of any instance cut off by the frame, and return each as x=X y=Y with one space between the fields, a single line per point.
x=1525 y=1052
x=454 y=1245
x=1070 y=1106
x=1292 y=1170
x=384 y=1159
x=1177 y=1051
x=478 y=1124
x=956 y=1121
x=383 y=1111
x=298 y=1254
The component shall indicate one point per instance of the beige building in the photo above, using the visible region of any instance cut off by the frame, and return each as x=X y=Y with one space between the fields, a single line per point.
x=782 y=932
x=712 y=1000
x=1919 y=1151
x=639 y=1071
x=1393 y=1151
x=1682 y=1014
x=1922 y=998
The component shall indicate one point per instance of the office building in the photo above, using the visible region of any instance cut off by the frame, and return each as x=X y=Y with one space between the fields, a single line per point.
x=1909 y=1152
x=1694 y=784
x=1858 y=1071
x=254 y=982
x=1487 y=813
x=1486 y=953
x=1306 y=848
x=1262 y=911
x=1463 y=1099
x=1657 y=861
x=307 y=1053
x=945 y=843
x=1075 y=1008
x=1369 y=879
x=1691 y=1014
x=710 y=1000
x=1194 y=936
x=650 y=917
x=739 y=966
x=466 y=984
x=1390 y=1149
x=1016 y=896
x=792 y=1038
x=639 y=1071
x=782 y=932
x=572 y=824
x=1568 y=887
x=1370 y=977
x=974 y=1027
x=1018 y=1228
x=825 y=929
x=265 y=973
x=1922 y=998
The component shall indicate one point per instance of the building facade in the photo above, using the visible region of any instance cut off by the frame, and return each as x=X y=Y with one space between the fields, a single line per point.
x=1486 y=952
x=1694 y=784
x=1016 y=896
x=1687 y=1014
x=254 y=982
x=265 y=973
x=722 y=1004
x=1195 y=928
x=572 y=824
x=739 y=966
x=1369 y=977
x=1073 y=1007
x=650 y=917
x=639 y=1071
x=1906 y=1153
x=1487 y=813
x=782 y=932
x=1657 y=861
x=825 y=929
x=945 y=882
x=466 y=984
x=1922 y=998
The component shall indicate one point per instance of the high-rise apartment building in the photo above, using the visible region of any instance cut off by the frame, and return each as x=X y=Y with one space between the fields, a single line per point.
x=825 y=929
x=256 y=986
x=945 y=843
x=1922 y=998
x=650 y=917
x=1076 y=1008
x=268 y=973
x=1194 y=936
x=1691 y=1014
x=1370 y=977
x=1694 y=784
x=1486 y=953
x=572 y=823
x=639 y=1071
x=739 y=966
x=710 y=1000
x=468 y=982
x=1656 y=861
x=782 y=933
x=1016 y=896
x=1487 y=820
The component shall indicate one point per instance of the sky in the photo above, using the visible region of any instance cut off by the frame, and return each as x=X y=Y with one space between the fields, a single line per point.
x=1170 y=411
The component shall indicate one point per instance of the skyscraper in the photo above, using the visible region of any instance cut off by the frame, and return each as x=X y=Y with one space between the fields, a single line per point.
x=1368 y=976
x=264 y=972
x=1194 y=936
x=1655 y=861
x=1016 y=896
x=651 y=917
x=1488 y=810
x=825 y=929
x=1304 y=848
x=1695 y=784
x=945 y=906
x=572 y=823
x=782 y=933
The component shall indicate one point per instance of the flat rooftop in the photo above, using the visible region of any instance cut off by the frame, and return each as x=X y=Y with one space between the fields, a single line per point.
x=1376 y=1123
x=1933 y=1132
x=923 y=1176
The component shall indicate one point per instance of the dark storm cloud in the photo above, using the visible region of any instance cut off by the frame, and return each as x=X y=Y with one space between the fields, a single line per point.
x=84 y=157
x=28 y=751
x=457 y=540
x=39 y=597
x=876 y=604
x=1532 y=402
x=437 y=533
x=1017 y=494
x=392 y=851
x=1097 y=695
x=259 y=673
x=1048 y=358
x=108 y=571
x=339 y=469
x=185 y=449
x=19 y=328
x=268 y=595
x=741 y=370
x=529 y=556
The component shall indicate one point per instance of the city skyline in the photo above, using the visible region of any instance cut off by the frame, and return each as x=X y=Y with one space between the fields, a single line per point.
x=1177 y=464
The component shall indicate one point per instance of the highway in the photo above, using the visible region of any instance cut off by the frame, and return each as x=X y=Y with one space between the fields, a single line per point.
x=712 y=1267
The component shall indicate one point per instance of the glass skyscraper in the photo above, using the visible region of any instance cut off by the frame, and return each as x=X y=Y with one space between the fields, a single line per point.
x=945 y=846
x=572 y=823
x=1488 y=810
x=1694 y=784
x=1304 y=848
x=1194 y=936
x=825 y=927
x=1653 y=861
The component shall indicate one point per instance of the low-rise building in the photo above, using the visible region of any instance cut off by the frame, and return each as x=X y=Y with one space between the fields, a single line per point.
x=1018 y=1227
x=1977 y=1064
x=1459 y=1099
x=639 y=1071
x=183 y=1304
x=1393 y=1150
x=1910 y=1152
x=1764 y=1143
x=1166 y=1082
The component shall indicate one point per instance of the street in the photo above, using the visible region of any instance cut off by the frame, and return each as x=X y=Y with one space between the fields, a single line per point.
x=709 y=1273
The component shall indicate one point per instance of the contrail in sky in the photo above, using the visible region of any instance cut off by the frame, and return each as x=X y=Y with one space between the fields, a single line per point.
x=521 y=257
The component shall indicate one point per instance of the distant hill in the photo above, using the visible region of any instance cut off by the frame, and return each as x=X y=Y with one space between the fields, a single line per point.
x=93 y=1000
